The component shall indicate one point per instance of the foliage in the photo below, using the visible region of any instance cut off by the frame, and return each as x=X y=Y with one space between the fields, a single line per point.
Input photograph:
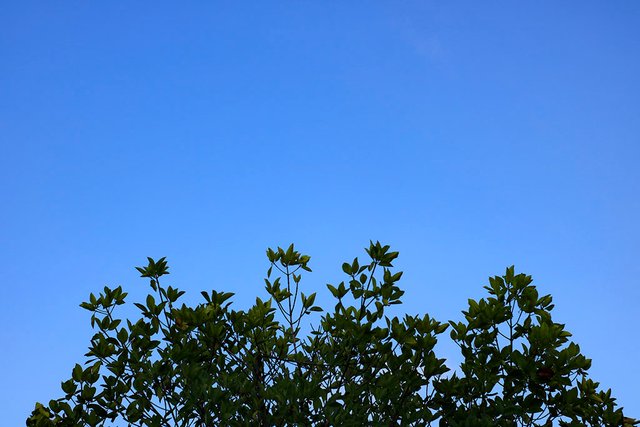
x=211 y=365
x=519 y=366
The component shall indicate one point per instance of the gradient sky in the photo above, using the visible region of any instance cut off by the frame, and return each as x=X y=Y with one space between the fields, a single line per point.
x=467 y=135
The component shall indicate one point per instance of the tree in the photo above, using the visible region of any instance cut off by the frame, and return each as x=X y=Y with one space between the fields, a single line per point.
x=210 y=365
x=519 y=366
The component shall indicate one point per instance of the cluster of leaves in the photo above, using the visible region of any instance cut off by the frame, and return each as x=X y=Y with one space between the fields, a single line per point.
x=519 y=366
x=210 y=365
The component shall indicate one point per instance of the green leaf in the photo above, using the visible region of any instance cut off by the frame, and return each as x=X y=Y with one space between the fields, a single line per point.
x=333 y=290
x=346 y=268
x=76 y=374
x=151 y=303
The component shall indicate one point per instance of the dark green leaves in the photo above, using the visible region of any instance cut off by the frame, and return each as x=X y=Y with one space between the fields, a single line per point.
x=154 y=269
x=518 y=362
x=281 y=363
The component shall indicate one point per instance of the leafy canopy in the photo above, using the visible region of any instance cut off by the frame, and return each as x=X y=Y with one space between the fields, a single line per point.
x=211 y=365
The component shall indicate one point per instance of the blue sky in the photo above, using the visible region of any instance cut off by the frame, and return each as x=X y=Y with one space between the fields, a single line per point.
x=468 y=135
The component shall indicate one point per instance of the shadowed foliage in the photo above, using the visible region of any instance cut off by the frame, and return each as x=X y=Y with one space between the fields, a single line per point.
x=211 y=365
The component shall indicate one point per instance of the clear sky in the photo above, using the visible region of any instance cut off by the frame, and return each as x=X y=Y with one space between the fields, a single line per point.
x=467 y=135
